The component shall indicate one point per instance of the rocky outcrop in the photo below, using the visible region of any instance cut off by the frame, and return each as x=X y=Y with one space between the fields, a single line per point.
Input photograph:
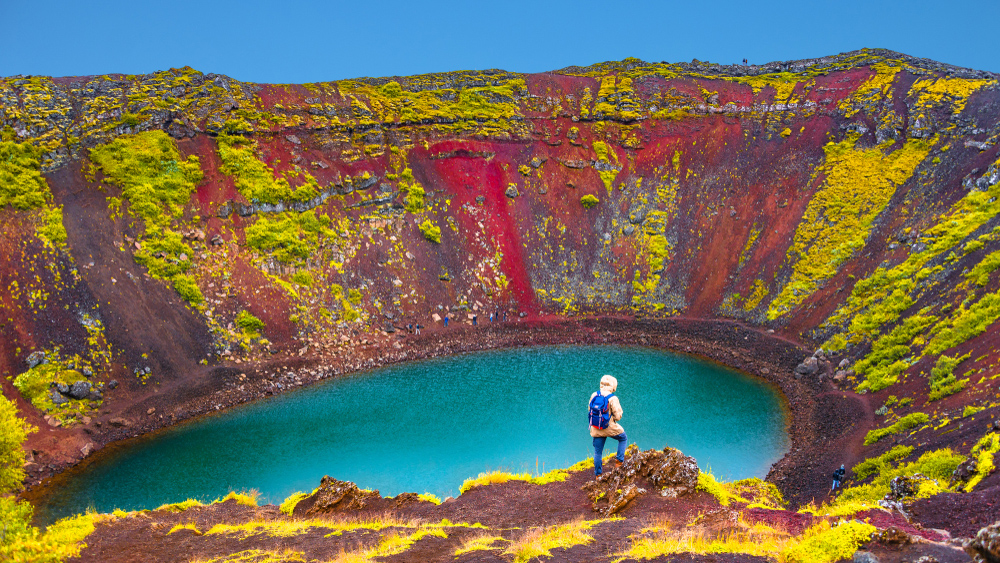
x=985 y=547
x=335 y=496
x=674 y=473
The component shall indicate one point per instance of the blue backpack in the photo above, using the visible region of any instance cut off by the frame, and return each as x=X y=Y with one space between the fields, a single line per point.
x=600 y=411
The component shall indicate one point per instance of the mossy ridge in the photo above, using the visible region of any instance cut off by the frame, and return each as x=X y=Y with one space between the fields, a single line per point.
x=489 y=108
x=858 y=185
x=880 y=298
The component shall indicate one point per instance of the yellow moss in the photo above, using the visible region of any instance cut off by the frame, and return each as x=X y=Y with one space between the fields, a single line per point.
x=880 y=298
x=539 y=542
x=783 y=83
x=758 y=291
x=759 y=540
x=824 y=543
x=874 y=89
x=930 y=92
x=858 y=184
x=479 y=543
x=985 y=452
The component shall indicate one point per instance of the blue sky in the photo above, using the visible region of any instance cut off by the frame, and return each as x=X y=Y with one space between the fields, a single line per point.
x=294 y=41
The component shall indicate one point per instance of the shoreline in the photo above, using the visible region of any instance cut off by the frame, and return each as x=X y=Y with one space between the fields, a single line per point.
x=764 y=356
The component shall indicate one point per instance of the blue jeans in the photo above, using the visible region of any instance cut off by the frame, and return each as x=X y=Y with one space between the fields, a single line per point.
x=599 y=451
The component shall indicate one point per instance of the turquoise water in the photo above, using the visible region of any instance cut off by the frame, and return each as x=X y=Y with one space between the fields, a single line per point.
x=426 y=426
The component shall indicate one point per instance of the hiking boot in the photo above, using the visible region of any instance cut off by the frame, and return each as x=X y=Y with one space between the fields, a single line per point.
x=615 y=462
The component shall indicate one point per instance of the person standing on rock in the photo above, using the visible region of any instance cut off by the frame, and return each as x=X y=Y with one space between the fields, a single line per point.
x=838 y=476
x=604 y=412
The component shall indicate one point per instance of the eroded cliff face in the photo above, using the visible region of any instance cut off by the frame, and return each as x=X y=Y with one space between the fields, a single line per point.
x=159 y=226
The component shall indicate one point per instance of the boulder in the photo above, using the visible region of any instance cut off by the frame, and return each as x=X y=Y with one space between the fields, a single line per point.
x=864 y=557
x=62 y=387
x=893 y=536
x=58 y=398
x=985 y=547
x=809 y=366
x=511 y=191
x=901 y=488
x=334 y=495
x=79 y=390
x=119 y=422
x=35 y=358
x=674 y=473
x=964 y=471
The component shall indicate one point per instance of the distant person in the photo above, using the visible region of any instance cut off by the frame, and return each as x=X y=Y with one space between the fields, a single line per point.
x=475 y=320
x=446 y=320
x=419 y=326
x=491 y=316
x=604 y=412
x=838 y=476
x=505 y=316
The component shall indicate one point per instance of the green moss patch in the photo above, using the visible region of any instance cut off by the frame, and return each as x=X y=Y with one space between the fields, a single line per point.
x=254 y=179
x=943 y=381
x=289 y=237
x=21 y=183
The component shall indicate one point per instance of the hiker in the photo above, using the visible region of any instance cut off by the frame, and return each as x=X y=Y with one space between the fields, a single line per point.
x=505 y=316
x=446 y=320
x=491 y=316
x=475 y=320
x=838 y=476
x=419 y=326
x=604 y=412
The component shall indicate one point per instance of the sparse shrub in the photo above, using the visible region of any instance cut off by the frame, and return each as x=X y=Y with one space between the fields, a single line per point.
x=589 y=201
x=414 y=201
x=13 y=432
x=971 y=410
x=985 y=452
x=249 y=323
x=288 y=505
x=943 y=381
x=876 y=464
x=188 y=289
x=131 y=119
x=429 y=497
x=255 y=179
x=539 y=542
x=430 y=231
x=905 y=423
x=303 y=277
